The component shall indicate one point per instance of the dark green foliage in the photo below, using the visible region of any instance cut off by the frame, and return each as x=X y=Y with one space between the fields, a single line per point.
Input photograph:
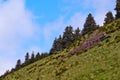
x=61 y=42
x=43 y=55
x=38 y=57
x=18 y=65
x=57 y=45
x=77 y=34
x=27 y=58
x=32 y=59
x=90 y=25
x=109 y=18
x=68 y=36
x=117 y=8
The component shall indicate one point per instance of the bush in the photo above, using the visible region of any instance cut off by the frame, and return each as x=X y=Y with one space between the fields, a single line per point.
x=117 y=38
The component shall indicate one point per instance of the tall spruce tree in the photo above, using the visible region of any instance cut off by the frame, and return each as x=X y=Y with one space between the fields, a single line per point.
x=32 y=59
x=90 y=24
x=54 y=47
x=45 y=54
x=27 y=59
x=117 y=8
x=18 y=65
x=57 y=45
x=77 y=34
x=63 y=41
x=37 y=56
x=109 y=18
x=68 y=36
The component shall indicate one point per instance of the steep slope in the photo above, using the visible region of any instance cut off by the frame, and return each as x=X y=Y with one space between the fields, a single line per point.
x=101 y=62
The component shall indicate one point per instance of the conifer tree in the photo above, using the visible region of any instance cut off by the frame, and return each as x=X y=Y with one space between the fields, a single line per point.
x=68 y=36
x=18 y=65
x=32 y=58
x=54 y=47
x=117 y=8
x=43 y=55
x=109 y=18
x=90 y=24
x=77 y=34
x=27 y=59
x=38 y=56
x=57 y=45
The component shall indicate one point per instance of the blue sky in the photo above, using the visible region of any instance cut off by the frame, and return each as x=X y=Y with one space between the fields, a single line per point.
x=32 y=25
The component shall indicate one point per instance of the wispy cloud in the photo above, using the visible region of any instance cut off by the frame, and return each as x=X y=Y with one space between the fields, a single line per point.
x=17 y=27
x=77 y=20
x=97 y=7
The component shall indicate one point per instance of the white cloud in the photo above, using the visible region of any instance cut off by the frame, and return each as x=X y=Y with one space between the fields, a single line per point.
x=53 y=27
x=77 y=20
x=100 y=7
x=97 y=7
x=16 y=28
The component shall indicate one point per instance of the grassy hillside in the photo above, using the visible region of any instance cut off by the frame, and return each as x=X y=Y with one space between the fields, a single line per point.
x=101 y=62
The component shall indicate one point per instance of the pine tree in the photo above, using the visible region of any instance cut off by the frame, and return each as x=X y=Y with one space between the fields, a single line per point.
x=117 y=9
x=109 y=18
x=43 y=55
x=32 y=58
x=57 y=45
x=68 y=36
x=18 y=65
x=37 y=56
x=27 y=59
x=54 y=47
x=77 y=34
x=90 y=25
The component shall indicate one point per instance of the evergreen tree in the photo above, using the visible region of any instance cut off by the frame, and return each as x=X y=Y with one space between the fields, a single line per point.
x=63 y=42
x=43 y=55
x=57 y=45
x=117 y=9
x=77 y=34
x=90 y=25
x=54 y=47
x=37 y=56
x=32 y=58
x=18 y=65
x=68 y=36
x=109 y=18
x=27 y=59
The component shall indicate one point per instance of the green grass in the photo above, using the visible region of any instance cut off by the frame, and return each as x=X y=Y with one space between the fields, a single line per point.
x=101 y=62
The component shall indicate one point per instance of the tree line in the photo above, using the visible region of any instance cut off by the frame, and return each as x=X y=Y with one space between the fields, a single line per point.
x=28 y=60
x=68 y=37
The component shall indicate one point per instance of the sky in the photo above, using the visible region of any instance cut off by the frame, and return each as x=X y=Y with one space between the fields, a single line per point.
x=32 y=25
